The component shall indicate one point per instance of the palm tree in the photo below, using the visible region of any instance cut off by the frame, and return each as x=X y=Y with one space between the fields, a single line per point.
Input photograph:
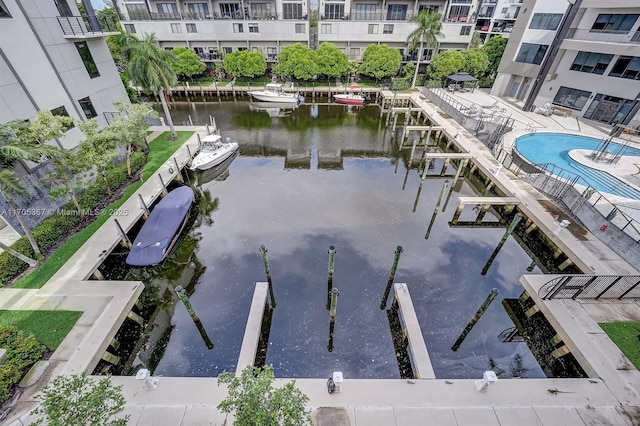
x=428 y=31
x=150 y=67
x=16 y=144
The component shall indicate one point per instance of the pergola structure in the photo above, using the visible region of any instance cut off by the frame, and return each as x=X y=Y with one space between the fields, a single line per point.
x=459 y=79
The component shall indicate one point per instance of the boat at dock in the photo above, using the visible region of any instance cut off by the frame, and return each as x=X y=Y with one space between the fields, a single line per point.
x=273 y=92
x=162 y=228
x=351 y=97
x=213 y=152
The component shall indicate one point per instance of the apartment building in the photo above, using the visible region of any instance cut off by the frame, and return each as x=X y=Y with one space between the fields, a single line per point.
x=497 y=17
x=52 y=58
x=213 y=26
x=583 y=55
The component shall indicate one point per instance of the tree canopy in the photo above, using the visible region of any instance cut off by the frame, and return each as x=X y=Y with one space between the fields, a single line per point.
x=298 y=61
x=243 y=63
x=427 y=33
x=380 y=60
x=494 y=48
x=188 y=62
x=476 y=62
x=445 y=63
x=331 y=61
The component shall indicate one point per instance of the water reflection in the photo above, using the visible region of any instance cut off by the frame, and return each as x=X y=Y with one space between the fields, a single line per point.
x=280 y=193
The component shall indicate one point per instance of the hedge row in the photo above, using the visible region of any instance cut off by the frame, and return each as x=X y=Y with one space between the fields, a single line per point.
x=56 y=227
x=23 y=350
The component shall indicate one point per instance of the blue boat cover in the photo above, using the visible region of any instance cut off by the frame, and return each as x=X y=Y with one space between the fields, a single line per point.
x=160 y=229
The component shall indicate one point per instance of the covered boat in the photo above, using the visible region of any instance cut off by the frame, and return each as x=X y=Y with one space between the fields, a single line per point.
x=273 y=93
x=214 y=151
x=162 y=228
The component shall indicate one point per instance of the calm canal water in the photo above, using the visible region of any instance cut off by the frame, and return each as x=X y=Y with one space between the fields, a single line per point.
x=318 y=176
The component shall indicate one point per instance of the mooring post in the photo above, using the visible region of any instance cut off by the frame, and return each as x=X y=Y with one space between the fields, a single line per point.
x=189 y=152
x=456 y=214
x=334 y=302
x=475 y=319
x=415 y=203
x=435 y=210
x=164 y=187
x=413 y=151
x=392 y=275
x=190 y=121
x=199 y=142
x=332 y=254
x=182 y=294
x=406 y=176
x=402 y=137
x=443 y=171
x=330 y=345
x=265 y=260
x=178 y=170
x=508 y=232
x=395 y=122
x=144 y=207
x=126 y=242
x=461 y=166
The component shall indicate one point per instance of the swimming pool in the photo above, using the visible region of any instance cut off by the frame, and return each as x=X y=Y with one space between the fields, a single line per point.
x=553 y=148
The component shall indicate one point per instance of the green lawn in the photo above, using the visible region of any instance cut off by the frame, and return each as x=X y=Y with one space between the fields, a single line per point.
x=625 y=335
x=161 y=150
x=49 y=327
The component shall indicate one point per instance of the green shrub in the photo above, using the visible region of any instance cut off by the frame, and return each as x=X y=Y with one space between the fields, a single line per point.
x=11 y=266
x=53 y=228
x=23 y=350
x=403 y=83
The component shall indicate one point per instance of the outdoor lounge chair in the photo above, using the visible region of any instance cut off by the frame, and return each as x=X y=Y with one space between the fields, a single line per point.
x=492 y=106
x=545 y=110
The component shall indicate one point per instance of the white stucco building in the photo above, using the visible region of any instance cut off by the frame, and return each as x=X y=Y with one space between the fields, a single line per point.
x=497 y=17
x=592 y=67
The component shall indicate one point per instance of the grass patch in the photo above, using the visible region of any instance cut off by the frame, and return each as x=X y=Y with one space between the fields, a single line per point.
x=48 y=327
x=625 y=336
x=161 y=150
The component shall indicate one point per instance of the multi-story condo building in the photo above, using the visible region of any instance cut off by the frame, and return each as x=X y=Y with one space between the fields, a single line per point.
x=583 y=55
x=52 y=58
x=497 y=17
x=214 y=27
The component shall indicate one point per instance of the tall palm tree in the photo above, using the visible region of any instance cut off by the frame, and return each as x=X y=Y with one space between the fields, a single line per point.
x=428 y=31
x=150 y=67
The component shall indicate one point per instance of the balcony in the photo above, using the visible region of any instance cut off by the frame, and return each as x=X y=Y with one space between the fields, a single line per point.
x=88 y=26
x=186 y=16
x=605 y=36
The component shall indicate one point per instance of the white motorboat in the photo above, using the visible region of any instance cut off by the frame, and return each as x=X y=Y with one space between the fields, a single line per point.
x=274 y=109
x=214 y=151
x=273 y=93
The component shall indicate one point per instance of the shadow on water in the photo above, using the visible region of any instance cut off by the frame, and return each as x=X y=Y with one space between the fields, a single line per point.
x=327 y=175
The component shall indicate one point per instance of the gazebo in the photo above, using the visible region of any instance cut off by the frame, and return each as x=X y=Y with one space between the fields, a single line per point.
x=459 y=79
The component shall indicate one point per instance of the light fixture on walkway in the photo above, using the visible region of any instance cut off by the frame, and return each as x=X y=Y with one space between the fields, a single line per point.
x=488 y=377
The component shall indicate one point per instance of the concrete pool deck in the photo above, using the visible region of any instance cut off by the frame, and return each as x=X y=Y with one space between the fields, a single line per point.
x=610 y=396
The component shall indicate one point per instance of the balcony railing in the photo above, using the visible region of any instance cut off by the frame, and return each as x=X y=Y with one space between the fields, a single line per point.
x=187 y=16
x=88 y=25
x=605 y=36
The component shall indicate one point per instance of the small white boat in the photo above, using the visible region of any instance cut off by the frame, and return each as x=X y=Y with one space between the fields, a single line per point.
x=273 y=93
x=214 y=151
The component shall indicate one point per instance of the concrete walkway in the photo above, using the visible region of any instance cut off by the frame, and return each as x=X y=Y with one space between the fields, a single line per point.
x=609 y=397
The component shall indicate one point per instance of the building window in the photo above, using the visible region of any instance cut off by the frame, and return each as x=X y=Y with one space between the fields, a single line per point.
x=354 y=53
x=291 y=11
x=87 y=107
x=626 y=67
x=4 y=12
x=63 y=8
x=260 y=10
x=61 y=111
x=532 y=53
x=301 y=28
x=617 y=22
x=591 y=62
x=325 y=29
x=191 y=28
x=366 y=12
x=137 y=11
x=227 y=50
x=396 y=12
x=237 y=28
x=459 y=13
x=272 y=53
x=130 y=28
x=373 y=28
x=230 y=10
x=545 y=21
x=333 y=11
x=387 y=29
x=430 y=7
x=465 y=30
x=571 y=98
x=175 y=28
x=198 y=10
x=87 y=59
x=253 y=28
x=167 y=8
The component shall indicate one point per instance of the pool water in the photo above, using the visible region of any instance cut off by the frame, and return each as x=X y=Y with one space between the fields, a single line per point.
x=554 y=148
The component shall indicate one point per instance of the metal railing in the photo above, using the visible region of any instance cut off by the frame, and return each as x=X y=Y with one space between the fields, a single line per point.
x=192 y=16
x=87 y=25
x=605 y=35
x=592 y=287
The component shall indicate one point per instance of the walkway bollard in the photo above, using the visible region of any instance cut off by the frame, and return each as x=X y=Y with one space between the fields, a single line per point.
x=392 y=275
x=435 y=210
x=265 y=260
x=475 y=319
x=332 y=254
x=508 y=232
x=182 y=294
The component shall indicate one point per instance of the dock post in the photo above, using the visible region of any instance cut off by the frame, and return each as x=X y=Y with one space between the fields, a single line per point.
x=332 y=254
x=189 y=153
x=512 y=226
x=444 y=166
x=463 y=162
x=415 y=203
x=475 y=319
x=265 y=260
x=402 y=137
x=456 y=214
x=406 y=176
x=178 y=170
x=395 y=121
x=333 y=305
x=144 y=207
x=182 y=294
x=435 y=210
x=392 y=275
x=164 y=187
x=125 y=242
x=190 y=121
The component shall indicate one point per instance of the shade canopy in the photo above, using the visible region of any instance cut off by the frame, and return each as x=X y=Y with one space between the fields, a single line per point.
x=462 y=77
